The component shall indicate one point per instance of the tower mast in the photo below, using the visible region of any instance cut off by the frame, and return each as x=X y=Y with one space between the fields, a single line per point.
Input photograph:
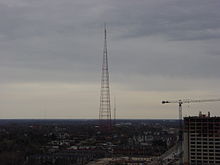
x=105 y=106
x=114 y=111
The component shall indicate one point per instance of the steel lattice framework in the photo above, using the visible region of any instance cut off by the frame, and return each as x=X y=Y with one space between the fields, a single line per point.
x=105 y=106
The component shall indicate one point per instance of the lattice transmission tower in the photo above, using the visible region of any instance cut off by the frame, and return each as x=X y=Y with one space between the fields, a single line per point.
x=105 y=105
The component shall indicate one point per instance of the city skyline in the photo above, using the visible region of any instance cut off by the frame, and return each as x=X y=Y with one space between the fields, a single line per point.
x=51 y=56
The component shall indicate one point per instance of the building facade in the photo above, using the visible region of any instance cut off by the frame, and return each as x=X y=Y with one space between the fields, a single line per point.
x=201 y=140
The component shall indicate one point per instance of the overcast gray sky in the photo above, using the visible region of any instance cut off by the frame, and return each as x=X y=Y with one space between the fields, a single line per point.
x=51 y=55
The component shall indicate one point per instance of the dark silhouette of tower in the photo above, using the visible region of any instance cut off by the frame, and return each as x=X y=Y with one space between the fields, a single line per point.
x=105 y=107
x=114 y=111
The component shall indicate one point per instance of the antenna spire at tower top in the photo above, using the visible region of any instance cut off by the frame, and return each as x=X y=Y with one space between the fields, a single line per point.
x=105 y=31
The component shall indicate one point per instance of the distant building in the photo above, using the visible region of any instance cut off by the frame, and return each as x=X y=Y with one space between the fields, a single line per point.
x=201 y=140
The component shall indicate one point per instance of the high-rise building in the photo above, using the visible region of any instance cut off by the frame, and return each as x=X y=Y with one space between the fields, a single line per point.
x=202 y=140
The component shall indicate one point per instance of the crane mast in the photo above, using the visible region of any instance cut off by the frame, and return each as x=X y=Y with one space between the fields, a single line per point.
x=180 y=102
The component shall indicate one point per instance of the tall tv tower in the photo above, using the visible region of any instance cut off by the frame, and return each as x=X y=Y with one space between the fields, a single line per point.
x=105 y=106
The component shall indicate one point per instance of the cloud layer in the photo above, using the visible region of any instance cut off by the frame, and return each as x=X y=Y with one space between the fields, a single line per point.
x=154 y=46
